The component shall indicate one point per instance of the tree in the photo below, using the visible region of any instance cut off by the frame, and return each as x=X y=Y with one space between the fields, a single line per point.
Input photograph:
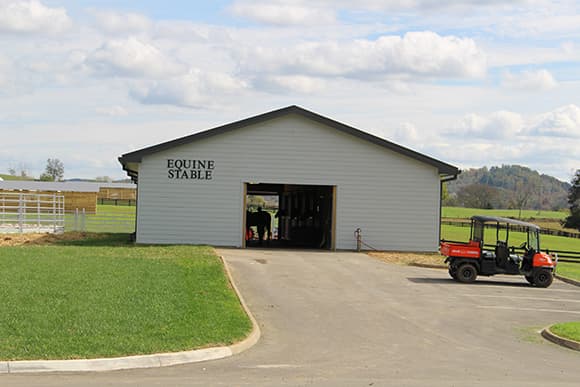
x=573 y=221
x=54 y=170
x=255 y=201
x=477 y=196
x=522 y=194
x=20 y=170
x=444 y=192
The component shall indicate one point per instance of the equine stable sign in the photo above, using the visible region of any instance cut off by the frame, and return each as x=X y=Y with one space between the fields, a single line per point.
x=182 y=169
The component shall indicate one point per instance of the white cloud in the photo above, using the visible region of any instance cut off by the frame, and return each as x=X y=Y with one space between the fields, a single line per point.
x=4 y=69
x=545 y=23
x=498 y=125
x=113 y=111
x=118 y=23
x=294 y=83
x=406 y=133
x=561 y=122
x=197 y=89
x=547 y=142
x=529 y=80
x=416 y=54
x=283 y=14
x=21 y=16
x=133 y=57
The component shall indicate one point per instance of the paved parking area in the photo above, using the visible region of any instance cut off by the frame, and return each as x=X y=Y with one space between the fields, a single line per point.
x=345 y=319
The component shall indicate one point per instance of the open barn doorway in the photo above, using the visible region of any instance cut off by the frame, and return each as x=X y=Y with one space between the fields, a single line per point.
x=289 y=215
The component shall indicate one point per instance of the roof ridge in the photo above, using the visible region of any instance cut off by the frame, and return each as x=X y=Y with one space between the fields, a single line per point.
x=136 y=156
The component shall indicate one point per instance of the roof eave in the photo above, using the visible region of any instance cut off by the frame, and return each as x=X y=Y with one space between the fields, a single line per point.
x=137 y=156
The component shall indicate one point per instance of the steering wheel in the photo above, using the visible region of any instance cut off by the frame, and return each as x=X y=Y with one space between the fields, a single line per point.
x=524 y=246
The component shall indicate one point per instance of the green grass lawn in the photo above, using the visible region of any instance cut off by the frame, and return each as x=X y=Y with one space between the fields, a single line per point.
x=569 y=330
x=108 y=219
x=102 y=297
x=569 y=270
x=111 y=208
x=466 y=213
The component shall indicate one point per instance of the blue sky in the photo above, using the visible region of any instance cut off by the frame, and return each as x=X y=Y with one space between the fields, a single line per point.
x=471 y=83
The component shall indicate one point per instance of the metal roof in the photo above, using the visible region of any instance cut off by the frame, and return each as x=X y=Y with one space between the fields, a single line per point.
x=499 y=219
x=117 y=185
x=137 y=156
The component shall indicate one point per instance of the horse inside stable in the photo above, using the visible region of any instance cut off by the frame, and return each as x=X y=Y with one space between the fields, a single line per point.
x=302 y=218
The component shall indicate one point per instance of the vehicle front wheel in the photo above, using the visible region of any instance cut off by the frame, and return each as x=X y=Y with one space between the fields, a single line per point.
x=543 y=278
x=466 y=273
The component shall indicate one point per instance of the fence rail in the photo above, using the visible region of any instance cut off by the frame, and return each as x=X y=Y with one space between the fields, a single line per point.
x=102 y=221
x=117 y=202
x=513 y=227
x=31 y=212
x=563 y=255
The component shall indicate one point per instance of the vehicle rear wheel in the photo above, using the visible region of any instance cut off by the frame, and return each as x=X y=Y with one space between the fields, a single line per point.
x=543 y=278
x=466 y=273
x=453 y=273
x=530 y=279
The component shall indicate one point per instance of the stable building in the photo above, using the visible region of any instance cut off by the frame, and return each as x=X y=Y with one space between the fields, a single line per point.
x=330 y=180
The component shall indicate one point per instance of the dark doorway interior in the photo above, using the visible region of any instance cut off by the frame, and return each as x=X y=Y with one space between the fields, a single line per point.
x=301 y=215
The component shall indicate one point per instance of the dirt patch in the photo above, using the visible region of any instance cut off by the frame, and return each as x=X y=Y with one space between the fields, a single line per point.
x=39 y=239
x=412 y=259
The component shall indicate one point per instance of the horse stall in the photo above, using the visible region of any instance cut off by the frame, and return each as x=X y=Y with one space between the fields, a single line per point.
x=304 y=216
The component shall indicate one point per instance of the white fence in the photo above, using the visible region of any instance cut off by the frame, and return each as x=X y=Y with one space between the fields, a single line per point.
x=102 y=221
x=31 y=212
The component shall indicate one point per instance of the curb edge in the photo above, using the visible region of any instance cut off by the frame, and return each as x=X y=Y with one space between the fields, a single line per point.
x=550 y=336
x=568 y=280
x=142 y=361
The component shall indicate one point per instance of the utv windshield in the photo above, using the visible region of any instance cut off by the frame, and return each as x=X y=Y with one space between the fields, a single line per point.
x=477 y=231
x=533 y=240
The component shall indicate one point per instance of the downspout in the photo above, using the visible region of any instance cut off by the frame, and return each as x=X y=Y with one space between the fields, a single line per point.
x=134 y=175
x=136 y=180
x=444 y=179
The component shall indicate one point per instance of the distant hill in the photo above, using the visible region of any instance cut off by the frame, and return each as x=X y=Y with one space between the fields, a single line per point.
x=508 y=186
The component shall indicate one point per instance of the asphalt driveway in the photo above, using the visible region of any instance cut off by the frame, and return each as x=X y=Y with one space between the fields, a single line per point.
x=345 y=319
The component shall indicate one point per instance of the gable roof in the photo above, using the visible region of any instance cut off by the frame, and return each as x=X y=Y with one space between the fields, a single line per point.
x=137 y=156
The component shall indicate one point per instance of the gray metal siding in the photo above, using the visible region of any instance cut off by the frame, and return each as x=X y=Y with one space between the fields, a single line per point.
x=394 y=199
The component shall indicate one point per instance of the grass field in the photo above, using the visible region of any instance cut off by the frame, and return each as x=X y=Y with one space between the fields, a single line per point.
x=10 y=177
x=101 y=297
x=548 y=242
x=569 y=270
x=569 y=330
x=466 y=213
x=108 y=219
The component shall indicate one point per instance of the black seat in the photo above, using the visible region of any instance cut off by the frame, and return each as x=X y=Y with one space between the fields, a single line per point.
x=501 y=253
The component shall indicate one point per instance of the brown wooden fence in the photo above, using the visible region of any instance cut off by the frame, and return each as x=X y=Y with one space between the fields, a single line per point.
x=117 y=193
x=513 y=227
x=72 y=200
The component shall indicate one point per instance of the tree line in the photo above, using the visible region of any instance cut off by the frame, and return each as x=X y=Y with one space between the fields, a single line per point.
x=508 y=186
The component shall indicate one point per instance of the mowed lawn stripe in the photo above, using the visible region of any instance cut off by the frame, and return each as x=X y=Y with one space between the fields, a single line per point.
x=66 y=302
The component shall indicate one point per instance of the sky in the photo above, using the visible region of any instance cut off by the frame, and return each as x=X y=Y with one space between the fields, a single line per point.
x=472 y=83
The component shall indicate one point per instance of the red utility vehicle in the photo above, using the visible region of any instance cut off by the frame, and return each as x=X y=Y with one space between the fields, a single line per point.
x=468 y=260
